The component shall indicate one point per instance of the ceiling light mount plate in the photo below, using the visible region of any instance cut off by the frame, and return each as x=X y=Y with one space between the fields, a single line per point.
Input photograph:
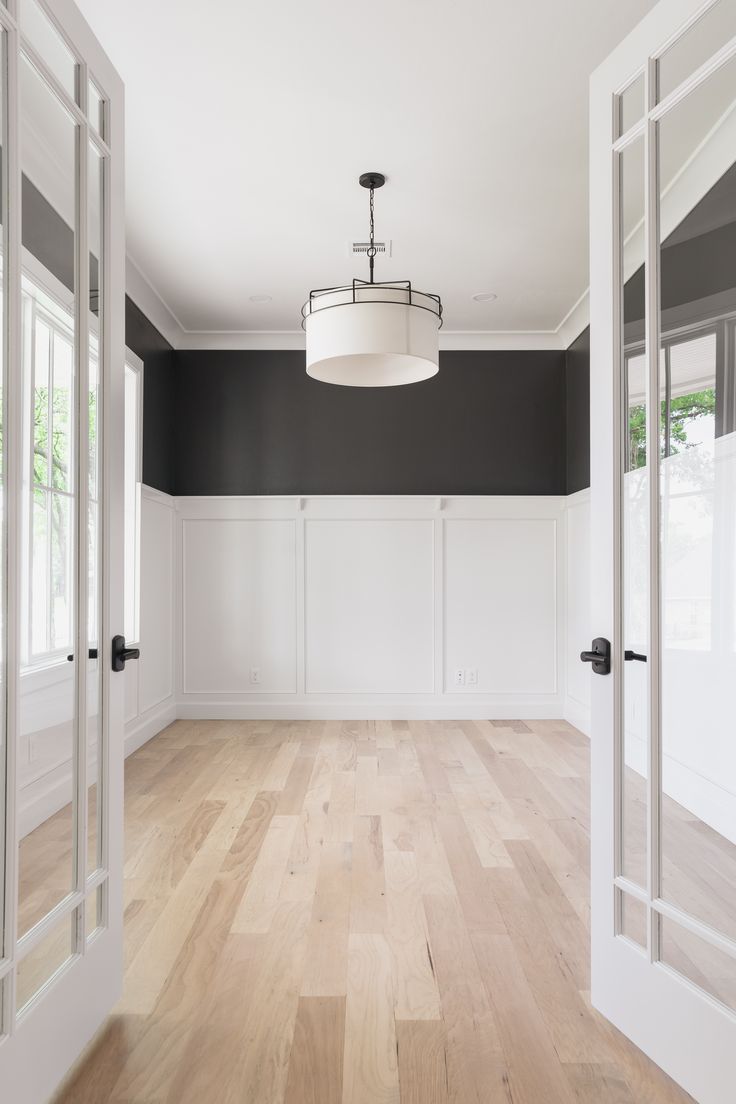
x=371 y=180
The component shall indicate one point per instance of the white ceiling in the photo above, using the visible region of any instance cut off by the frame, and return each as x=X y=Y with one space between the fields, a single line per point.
x=248 y=125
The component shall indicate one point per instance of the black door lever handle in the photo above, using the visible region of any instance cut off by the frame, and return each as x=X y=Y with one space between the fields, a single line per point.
x=600 y=656
x=121 y=654
x=634 y=655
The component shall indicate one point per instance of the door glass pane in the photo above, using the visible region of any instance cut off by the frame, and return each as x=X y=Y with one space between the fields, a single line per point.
x=633 y=919
x=47 y=693
x=3 y=541
x=696 y=46
x=94 y=406
x=706 y=966
x=698 y=504
x=132 y=504
x=48 y=44
x=635 y=521
x=93 y=907
x=96 y=109
x=630 y=105
x=46 y=959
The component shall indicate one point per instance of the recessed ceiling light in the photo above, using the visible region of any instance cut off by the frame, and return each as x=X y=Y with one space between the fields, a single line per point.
x=484 y=297
x=261 y=298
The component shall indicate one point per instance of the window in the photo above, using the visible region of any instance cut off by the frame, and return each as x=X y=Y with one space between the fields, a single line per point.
x=133 y=466
x=688 y=369
x=49 y=348
x=697 y=415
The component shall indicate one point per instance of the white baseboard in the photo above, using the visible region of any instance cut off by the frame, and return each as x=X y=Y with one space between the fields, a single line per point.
x=577 y=714
x=704 y=798
x=348 y=708
x=142 y=729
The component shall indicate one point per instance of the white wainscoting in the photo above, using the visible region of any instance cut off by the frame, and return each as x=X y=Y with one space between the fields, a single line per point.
x=501 y=598
x=367 y=606
x=578 y=629
x=238 y=602
x=150 y=703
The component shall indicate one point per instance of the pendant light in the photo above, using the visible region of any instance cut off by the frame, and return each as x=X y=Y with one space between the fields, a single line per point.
x=372 y=334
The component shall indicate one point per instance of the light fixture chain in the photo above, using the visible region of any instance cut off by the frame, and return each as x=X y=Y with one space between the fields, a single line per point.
x=372 y=248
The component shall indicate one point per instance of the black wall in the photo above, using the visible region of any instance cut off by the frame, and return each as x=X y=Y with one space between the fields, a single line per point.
x=577 y=413
x=255 y=423
x=159 y=393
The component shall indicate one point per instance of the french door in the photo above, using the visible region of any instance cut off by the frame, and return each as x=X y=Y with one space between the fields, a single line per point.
x=62 y=317
x=663 y=420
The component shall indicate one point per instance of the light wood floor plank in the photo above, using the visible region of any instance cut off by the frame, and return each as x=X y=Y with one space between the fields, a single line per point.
x=257 y=908
x=371 y=1073
x=315 y=1065
x=422 y=1058
x=325 y=972
x=416 y=993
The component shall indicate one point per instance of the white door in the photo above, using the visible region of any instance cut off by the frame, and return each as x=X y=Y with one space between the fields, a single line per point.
x=663 y=432
x=62 y=537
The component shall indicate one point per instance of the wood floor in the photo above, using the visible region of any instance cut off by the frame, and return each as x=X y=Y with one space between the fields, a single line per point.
x=360 y=913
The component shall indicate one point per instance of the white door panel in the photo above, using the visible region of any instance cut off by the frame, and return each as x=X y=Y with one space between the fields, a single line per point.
x=62 y=402
x=663 y=508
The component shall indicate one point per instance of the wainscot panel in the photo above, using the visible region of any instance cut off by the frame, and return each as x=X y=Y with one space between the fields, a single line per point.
x=332 y=607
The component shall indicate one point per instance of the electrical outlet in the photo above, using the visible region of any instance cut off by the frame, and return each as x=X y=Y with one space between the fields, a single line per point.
x=255 y=675
x=458 y=678
x=471 y=676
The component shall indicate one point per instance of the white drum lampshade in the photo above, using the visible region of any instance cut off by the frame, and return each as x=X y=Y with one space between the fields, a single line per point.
x=372 y=335
x=369 y=334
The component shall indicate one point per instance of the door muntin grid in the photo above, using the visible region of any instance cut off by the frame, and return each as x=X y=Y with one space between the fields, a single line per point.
x=82 y=910
x=692 y=373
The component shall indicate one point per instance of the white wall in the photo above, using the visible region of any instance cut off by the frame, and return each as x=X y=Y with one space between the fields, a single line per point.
x=357 y=607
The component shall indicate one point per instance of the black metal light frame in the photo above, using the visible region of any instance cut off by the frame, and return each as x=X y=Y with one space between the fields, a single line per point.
x=371 y=181
x=395 y=285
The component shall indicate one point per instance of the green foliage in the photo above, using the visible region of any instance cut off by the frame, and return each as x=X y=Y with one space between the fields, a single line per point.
x=683 y=410
x=60 y=438
x=52 y=463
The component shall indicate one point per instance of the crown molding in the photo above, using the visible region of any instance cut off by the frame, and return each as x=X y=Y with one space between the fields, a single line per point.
x=156 y=310
x=481 y=340
x=242 y=339
x=145 y=296
x=575 y=321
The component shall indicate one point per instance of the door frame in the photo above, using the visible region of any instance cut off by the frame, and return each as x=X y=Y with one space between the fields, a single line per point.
x=38 y=1048
x=681 y=1028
